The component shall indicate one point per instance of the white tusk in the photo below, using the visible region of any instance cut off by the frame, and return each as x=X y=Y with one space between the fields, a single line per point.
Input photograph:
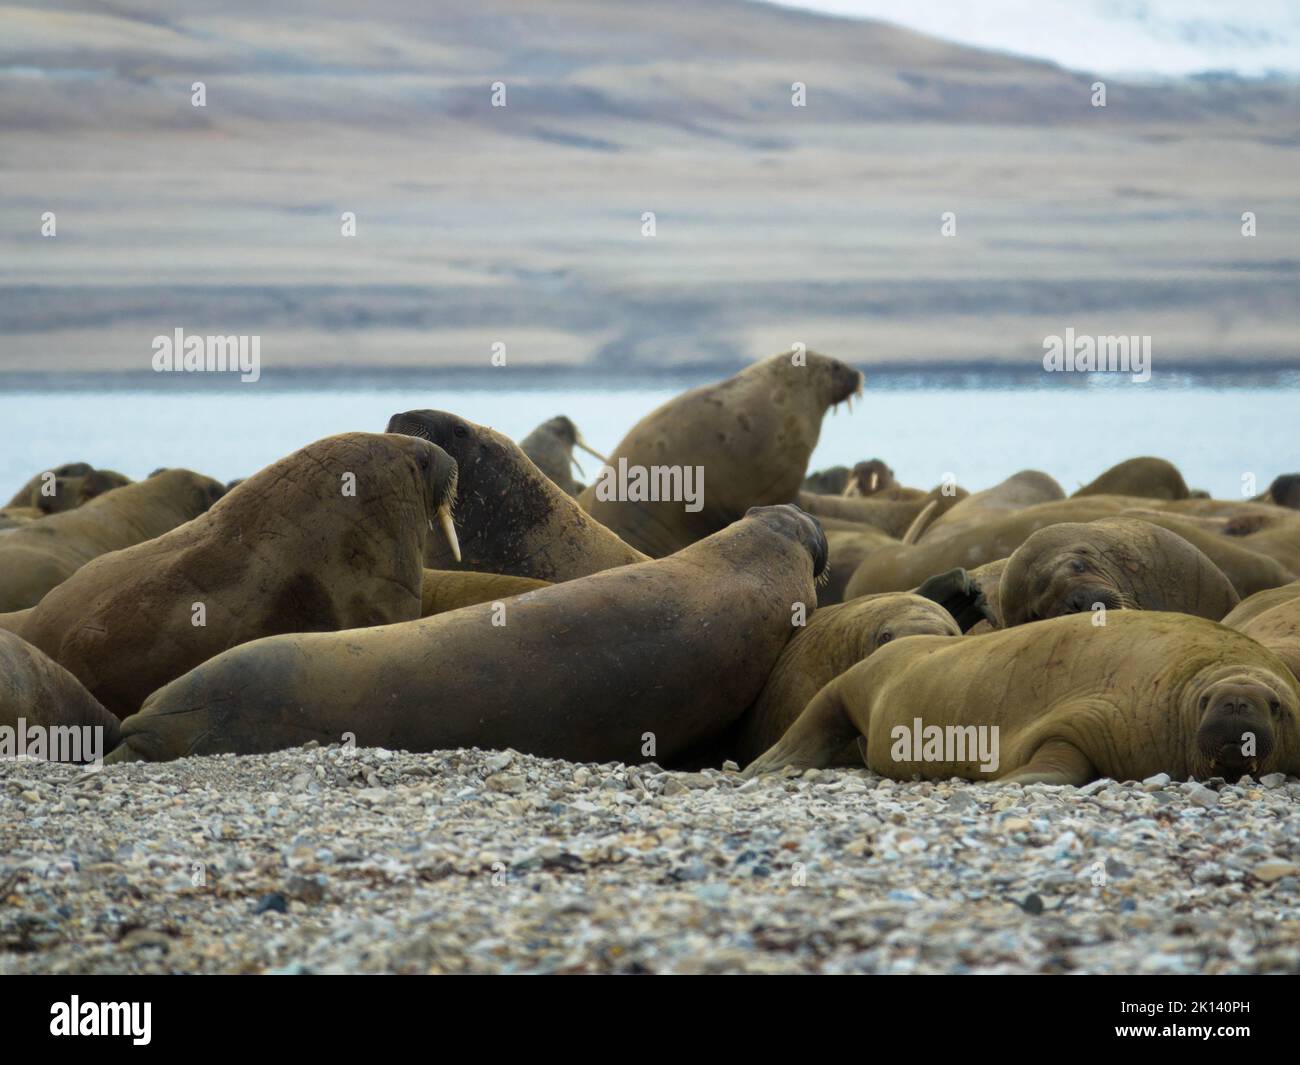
x=577 y=439
x=449 y=529
x=875 y=480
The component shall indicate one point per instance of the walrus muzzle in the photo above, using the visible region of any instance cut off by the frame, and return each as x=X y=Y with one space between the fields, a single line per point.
x=1236 y=734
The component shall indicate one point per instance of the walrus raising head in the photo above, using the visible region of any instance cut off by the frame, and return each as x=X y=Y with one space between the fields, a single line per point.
x=1116 y=563
x=511 y=517
x=798 y=525
x=1246 y=721
x=868 y=478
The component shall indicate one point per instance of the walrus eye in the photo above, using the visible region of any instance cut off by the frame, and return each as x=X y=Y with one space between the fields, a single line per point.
x=885 y=637
x=460 y=430
x=1205 y=702
x=1078 y=566
x=1275 y=707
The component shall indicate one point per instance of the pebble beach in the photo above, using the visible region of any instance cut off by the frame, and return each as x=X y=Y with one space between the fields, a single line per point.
x=332 y=860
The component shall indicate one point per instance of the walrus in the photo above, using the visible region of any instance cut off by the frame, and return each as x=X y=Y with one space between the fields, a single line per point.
x=835 y=639
x=870 y=478
x=828 y=482
x=510 y=517
x=718 y=450
x=1272 y=619
x=36 y=692
x=40 y=556
x=1117 y=563
x=849 y=547
x=973 y=598
x=1284 y=491
x=66 y=487
x=1024 y=489
x=896 y=568
x=1060 y=702
x=641 y=661
x=329 y=537
x=443 y=590
x=550 y=447
x=1147 y=477
x=897 y=517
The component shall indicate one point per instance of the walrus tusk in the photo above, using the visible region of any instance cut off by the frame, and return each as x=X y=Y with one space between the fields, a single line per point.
x=579 y=442
x=875 y=480
x=920 y=523
x=448 y=529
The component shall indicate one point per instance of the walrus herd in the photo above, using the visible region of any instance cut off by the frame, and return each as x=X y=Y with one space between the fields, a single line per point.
x=702 y=598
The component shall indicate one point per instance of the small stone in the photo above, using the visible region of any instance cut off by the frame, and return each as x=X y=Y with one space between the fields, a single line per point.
x=272 y=902
x=509 y=783
x=1032 y=904
x=1203 y=796
x=1274 y=870
x=1273 y=780
x=1160 y=780
x=1096 y=786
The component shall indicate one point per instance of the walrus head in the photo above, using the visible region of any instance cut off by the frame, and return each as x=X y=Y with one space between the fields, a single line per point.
x=1285 y=491
x=1060 y=570
x=1247 y=721
x=563 y=428
x=799 y=525
x=835 y=381
x=868 y=478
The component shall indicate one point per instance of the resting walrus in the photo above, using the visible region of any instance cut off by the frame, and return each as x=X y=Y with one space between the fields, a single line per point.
x=834 y=640
x=1272 y=618
x=1119 y=563
x=1145 y=477
x=330 y=537
x=1146 y=693
x=511 y=517
x=750 y=435
x=550 y=447
x=38 y=693
x=642 y=661
x=39 y=556
x=66 y=487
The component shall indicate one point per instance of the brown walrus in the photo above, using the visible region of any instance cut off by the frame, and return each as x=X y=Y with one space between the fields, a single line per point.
x=1117 y=563
x=750 y=435
x=641 y=661
x=36 y=693
x=1060 y=702
x=834 y=640
x=66 y=487
x=1147 y=477
x=330 y=537
x=39 y=556
x=1024 y=489
x=444 y=590
x=873 y=477
x=828 y=482
x=550 y=447
x=1272 y=619
x=900 y=518
x=900 y=567
x=510 y=517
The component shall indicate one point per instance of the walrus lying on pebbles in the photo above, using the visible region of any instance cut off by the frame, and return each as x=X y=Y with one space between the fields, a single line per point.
x=36 y=692
x=638 y=662
x=1060 y=702
x=750 y=435
x=1272 y=618
x=330 y=537
x=835 y=639
x=39 y=556
x=550 y=447
x=1145 y=477
x=510 y=517
x=1117 y=563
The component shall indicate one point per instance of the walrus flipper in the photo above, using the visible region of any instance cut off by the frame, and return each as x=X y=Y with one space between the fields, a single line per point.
x=961 y=597
x=1055 y=762
x=816 y=737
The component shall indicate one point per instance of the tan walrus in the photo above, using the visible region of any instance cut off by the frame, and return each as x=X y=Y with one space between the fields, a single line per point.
x=1272 y=619
x=66 y=487
x=550 y=447
x=750 y=435
x=444 y=590
x=1145 y=477
x=510 y=517
x=1112 y=563
x=1021 y=490
x=900 y=518
x=1060 y=702
x=39 y=556
x=641 y=661
x=834 y=640
x=329 y=537
x=41 y=702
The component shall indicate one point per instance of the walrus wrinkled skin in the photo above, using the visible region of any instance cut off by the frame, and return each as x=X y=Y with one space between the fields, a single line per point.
x=40 y=556
x=1117 y=563
x=550 y=447
x=834 y=640
x=1145 y=477
x=510 y=517
x=1146 y=693
x=35 y=691
x=292 y=549
x=899 y=567
x=1272 y=619
x=445 y=590
x=752 y=435
x=642 y=661
x=72 y=485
